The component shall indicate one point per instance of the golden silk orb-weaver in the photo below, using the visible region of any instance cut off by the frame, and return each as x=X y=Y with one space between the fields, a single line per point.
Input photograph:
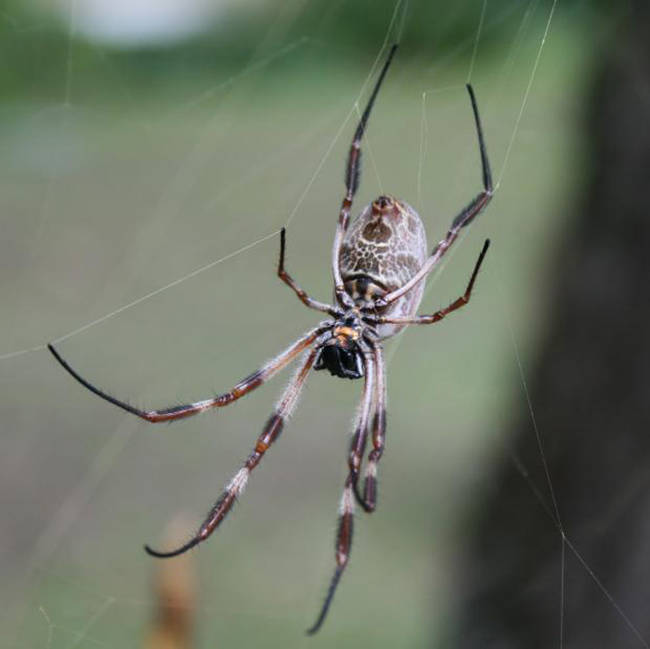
x=379 y=264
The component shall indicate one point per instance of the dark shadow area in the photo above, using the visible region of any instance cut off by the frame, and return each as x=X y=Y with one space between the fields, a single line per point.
x=590 y=396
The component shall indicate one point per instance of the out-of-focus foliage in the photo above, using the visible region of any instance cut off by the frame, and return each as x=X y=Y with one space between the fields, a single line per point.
x=35 y=44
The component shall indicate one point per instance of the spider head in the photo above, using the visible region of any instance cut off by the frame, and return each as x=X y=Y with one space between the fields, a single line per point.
x=341 y=354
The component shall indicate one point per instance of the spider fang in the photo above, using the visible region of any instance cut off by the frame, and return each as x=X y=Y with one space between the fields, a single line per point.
x=342 y=356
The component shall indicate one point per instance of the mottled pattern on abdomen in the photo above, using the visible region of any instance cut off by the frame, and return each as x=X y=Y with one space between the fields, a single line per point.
x=387 y=245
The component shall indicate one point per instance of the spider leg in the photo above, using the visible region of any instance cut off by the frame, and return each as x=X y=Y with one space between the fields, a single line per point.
x=352 y=174
x=343 y=544
x=244 y=386
x=360 y=435
x=369 y=499
x=235 y=487
x=438 y=315
x=464 y=218
x=357 y=447
x=301 y=293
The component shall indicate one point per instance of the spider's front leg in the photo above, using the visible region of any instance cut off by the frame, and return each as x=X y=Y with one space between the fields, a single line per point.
x=368 y=500
x=235 y=487
x=343 y=545
x=360 y=435
x=346 y=512
x=244 y=386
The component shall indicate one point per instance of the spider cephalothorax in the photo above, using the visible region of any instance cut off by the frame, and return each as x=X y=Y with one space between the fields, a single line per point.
x=379 y=263
x=342 y=353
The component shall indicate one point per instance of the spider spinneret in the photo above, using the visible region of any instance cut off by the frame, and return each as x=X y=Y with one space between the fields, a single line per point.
x=379 y=264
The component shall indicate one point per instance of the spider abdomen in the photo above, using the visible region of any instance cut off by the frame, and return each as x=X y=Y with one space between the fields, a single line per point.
x=383 y=248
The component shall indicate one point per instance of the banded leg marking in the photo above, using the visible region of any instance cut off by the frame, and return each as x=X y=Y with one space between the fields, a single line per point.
x=369 y=499
x=438 y=315
x=300 y=292
x=245 y=386
x=235 y=487
x=343 y=545
x=360 y=435
x=464 y=218
x=352 y=176
x=346 y=510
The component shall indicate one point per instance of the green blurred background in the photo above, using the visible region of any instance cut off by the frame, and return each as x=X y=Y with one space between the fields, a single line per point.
x=131 y=156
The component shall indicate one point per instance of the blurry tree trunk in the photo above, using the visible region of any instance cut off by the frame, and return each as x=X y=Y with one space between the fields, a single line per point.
x=590 y=391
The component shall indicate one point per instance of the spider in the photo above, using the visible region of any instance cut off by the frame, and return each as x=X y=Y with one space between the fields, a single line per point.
x=379 y=263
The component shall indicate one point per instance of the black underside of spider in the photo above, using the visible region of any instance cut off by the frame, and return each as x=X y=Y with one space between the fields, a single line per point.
x=347 y=345
x=344 y=361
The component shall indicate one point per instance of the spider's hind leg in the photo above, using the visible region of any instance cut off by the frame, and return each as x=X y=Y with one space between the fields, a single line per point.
x=442 y=313
x=352 y=176
x=300 y=292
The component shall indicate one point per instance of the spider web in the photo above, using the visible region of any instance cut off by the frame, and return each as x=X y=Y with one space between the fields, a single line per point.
x=75 y=471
